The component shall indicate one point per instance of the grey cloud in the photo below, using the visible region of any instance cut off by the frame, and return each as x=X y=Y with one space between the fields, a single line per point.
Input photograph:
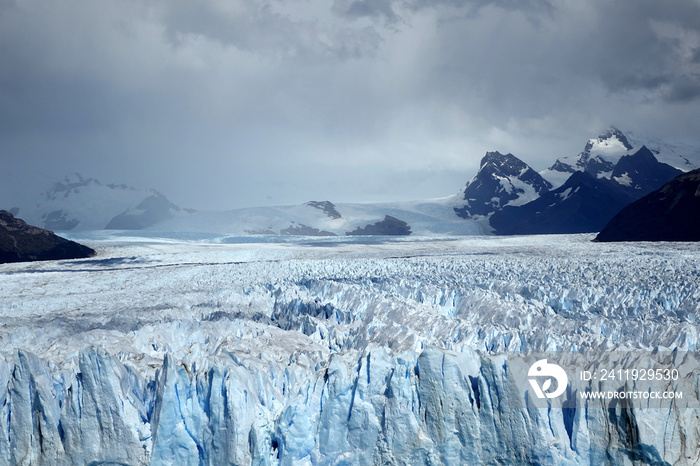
x=395 y=10
x=235 y=101
x=505 y=4
x=629 y=54
x=695 y=57
x=355 y=9
x=685 y=90
x=258 y=28
x=245 y=25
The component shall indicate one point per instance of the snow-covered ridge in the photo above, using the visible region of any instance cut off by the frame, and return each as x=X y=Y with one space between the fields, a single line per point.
x=426 y=217
x=602 y=153
x=79 y=203
x=163 y=351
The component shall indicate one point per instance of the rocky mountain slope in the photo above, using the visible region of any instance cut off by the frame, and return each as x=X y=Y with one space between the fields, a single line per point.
x=501 y=180
x=20 y=242
x=587 y=200
x=671 y=213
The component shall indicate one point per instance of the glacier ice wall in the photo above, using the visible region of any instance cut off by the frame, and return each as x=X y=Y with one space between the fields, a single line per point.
x=436 y=407
x=384 y=354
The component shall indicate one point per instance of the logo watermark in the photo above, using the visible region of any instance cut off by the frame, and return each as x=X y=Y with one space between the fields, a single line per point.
x=551 y=371
x=596 y=379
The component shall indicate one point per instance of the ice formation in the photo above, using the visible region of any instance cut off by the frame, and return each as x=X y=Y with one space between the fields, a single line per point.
x=325 y=351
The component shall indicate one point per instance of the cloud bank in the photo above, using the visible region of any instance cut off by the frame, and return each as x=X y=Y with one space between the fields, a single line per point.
x=223 y=104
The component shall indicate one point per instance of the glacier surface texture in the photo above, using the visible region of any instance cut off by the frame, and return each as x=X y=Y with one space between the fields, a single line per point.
x=213 y=351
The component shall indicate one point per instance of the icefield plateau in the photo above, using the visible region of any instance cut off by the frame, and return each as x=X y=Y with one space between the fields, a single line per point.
x=212 y=350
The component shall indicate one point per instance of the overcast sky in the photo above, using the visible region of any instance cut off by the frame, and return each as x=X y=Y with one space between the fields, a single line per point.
x=225 y=104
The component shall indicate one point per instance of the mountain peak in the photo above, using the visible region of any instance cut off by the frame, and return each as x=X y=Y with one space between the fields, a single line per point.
x=502 y=180
x=75 y=177
x=642 y=172
x=501 y=160
x=71 y=182
x=614 y=133
x=611 y=142
x=599 y=156
x=645 y=153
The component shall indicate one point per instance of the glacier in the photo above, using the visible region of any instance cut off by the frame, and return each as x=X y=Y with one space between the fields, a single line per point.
x=171 y=350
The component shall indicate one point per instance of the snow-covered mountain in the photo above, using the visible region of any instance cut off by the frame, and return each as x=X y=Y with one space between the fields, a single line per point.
x=582 y=204
x=598 y=158
x=575 y=195
x=505 y=195
x=79 y=203
x=590 y=197
x=601 y=155
x=501 y=180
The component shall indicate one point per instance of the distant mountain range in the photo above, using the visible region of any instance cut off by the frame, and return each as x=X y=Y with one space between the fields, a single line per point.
x=589 y=198
x=324 y=218
x=576 y=194
x=78 y=203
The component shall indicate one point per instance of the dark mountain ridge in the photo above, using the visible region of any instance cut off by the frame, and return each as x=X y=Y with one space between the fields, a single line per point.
x=582 y=204
x=672 y=213
x=586 y=201
x=20 y=242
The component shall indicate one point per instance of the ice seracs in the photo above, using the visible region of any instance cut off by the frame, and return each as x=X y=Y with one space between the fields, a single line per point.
x=397 y=351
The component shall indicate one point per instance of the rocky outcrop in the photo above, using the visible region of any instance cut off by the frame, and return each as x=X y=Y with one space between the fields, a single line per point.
x=389 y=226
x=304 y=230
x=20 y=242
x=327 y=207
